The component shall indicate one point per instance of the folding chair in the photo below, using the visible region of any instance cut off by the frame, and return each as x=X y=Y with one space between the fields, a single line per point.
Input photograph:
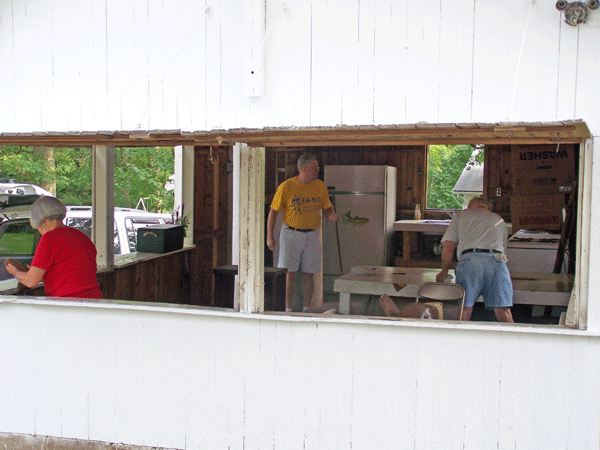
x=411 y=311
x=451 y=295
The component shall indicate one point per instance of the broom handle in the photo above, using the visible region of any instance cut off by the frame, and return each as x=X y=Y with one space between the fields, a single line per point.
x=337 y=237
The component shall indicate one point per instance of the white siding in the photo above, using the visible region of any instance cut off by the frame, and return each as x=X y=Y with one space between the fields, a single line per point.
x=191 y=380
x=95 y=65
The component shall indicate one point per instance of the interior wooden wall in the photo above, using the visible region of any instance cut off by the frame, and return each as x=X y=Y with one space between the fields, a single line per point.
x=497 y=174
x=165 y=279
x=211 y=220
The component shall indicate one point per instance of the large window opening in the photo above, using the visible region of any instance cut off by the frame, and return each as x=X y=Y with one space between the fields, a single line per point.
x=454 y=175
x=503 y=184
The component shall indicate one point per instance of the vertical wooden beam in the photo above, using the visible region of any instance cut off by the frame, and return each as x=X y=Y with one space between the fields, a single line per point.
x=216 y=188
x=577 y=311
x=202 y=263
x=222 y=213
x=103 y=204
x=184 y=187
x=235 y=225
x=252 y=228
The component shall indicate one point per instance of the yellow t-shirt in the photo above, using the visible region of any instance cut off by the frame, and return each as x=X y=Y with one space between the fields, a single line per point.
x=301 y=203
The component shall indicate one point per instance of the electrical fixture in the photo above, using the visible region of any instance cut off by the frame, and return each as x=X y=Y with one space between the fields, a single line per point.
x=576 y=12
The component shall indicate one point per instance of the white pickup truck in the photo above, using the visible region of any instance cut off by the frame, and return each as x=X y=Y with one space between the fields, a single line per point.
x=19 y=241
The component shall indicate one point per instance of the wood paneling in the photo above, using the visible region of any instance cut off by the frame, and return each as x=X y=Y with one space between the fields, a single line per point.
x=187 y=378
x=211 y=219
x=497 y=175
x=164 y=279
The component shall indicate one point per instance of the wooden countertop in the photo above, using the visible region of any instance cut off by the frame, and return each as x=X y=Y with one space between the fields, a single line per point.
x=432 y=226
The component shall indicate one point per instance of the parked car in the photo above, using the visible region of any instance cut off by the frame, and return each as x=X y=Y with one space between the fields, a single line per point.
x=19 y=241
x=127 y=222
x=22 y=189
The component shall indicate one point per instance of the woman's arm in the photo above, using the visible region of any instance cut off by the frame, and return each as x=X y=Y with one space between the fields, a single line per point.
x=31 y=278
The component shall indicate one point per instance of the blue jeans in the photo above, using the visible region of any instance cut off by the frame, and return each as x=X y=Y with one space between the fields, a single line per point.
x=481 y=274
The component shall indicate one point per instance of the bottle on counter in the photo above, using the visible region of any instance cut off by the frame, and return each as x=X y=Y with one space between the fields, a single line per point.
x=417 y=211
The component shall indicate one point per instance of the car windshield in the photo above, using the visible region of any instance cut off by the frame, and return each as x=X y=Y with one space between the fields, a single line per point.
x=17 y=238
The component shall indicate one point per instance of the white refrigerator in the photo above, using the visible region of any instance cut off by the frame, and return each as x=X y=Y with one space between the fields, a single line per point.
x=365 y=199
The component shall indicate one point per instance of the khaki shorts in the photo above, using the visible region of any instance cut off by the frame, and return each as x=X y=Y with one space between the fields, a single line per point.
x=299 y=249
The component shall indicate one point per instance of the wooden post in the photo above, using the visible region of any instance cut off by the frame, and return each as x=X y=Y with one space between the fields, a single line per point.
x=252 y=228
x=184 y=187
x=576 y=315
x=103 y=201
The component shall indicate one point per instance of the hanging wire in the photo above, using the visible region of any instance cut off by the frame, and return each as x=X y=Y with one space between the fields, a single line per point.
x=171 y=66
x=512 y=103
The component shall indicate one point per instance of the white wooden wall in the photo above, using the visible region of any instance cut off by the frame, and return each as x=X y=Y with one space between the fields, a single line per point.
x=191 y=380
x=214 y=380
x=181 y=64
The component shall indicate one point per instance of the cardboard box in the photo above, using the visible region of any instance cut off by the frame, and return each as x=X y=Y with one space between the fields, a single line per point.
x=160 y=238
x=541 y=169
x=537 y=212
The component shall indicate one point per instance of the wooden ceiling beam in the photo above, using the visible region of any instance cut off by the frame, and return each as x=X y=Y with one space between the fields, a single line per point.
x=418 y=134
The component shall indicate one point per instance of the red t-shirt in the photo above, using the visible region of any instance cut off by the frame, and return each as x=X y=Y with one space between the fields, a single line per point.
x=69 y=258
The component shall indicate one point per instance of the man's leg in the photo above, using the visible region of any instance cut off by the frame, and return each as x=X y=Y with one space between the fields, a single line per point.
x=467 y=312
x=290 y=288
x=503 y=315
x=307 y=291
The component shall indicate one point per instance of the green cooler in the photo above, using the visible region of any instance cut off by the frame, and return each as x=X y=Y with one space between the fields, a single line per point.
x=159 y=238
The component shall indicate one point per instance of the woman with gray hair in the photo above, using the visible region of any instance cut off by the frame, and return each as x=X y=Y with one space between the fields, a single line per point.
x=65 y=258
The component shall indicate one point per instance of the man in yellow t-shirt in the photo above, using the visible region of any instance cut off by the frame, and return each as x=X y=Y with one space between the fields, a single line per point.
x=301 y=199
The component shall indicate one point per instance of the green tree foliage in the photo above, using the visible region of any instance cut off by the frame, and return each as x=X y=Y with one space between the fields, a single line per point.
x=139 y=173
x=23 y=164
x=73 y=173
x=446 y=163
